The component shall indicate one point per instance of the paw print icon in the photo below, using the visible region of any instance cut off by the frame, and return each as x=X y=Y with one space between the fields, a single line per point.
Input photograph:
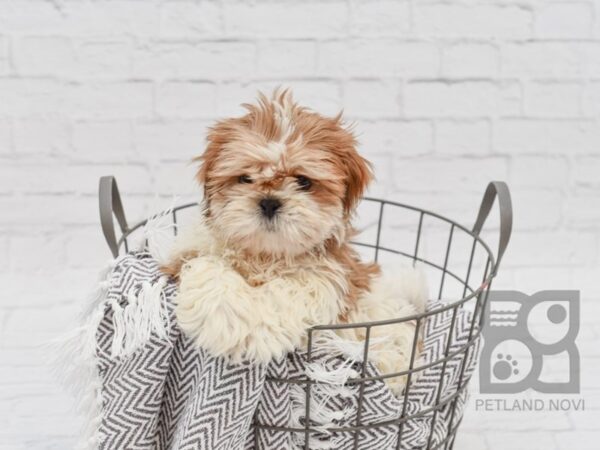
x=529 y=343
x=505 y=367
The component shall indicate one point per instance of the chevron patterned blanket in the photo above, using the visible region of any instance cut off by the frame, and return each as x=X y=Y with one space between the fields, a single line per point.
x=154 y=389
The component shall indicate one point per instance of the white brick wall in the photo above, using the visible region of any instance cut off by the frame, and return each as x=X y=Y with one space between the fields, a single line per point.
x=446 y=95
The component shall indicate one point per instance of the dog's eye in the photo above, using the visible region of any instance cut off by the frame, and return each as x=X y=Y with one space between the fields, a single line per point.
x=244 y=179
x=303 y=182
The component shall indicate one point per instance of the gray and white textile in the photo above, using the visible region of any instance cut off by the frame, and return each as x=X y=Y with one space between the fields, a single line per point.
x=156 y=390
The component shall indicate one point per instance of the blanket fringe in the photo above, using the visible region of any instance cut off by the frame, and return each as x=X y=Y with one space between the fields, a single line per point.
x=145 y=313
x=159 y=234
x=80 y=374
x=331 y=383
x=332 y=344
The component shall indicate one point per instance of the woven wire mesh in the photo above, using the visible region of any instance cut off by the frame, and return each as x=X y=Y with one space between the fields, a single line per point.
x=459 y=267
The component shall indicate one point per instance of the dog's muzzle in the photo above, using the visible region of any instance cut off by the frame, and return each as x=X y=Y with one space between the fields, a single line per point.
x=269 y=206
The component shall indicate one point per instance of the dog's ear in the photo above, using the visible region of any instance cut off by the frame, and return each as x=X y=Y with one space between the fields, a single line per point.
x=358 y=176
x=357 y=169
x=219 y=135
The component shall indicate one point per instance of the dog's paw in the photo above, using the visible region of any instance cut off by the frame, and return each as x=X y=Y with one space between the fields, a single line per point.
x=228 y=317
x=265 y=344
x=212 y=306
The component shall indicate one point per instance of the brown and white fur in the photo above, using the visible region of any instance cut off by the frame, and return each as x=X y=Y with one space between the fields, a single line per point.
x=272 y=254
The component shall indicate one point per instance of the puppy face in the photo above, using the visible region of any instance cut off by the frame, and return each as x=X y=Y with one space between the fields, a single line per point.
x=281 y=180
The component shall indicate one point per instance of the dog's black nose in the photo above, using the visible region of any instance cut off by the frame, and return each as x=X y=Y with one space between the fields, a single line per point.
x=269 y=206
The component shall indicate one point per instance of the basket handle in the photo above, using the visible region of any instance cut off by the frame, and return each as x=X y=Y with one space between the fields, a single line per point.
x=496 y=189
x=110 y=204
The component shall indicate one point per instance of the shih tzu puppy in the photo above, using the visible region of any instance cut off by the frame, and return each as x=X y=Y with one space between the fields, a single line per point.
x=272 y=256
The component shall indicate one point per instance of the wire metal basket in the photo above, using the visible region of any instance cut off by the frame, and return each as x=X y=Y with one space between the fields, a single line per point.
x=458 y=260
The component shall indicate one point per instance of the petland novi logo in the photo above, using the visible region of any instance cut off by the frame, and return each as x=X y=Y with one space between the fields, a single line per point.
x=529 y=343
